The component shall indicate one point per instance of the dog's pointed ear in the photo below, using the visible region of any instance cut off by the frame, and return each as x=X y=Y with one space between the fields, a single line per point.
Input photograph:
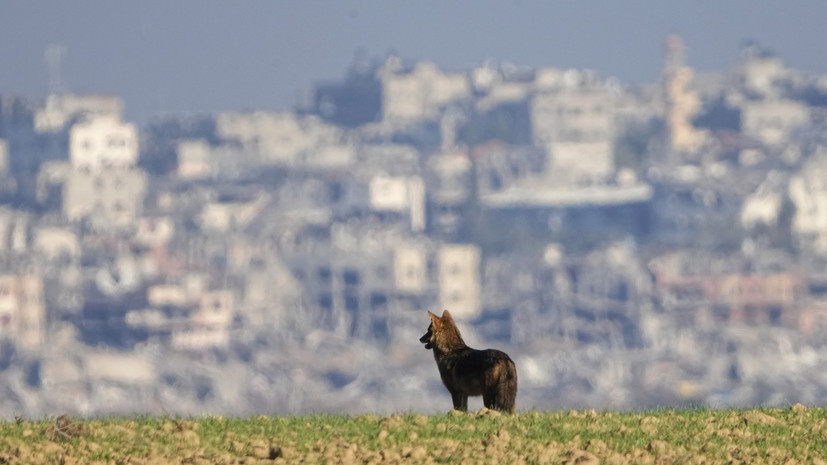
x=435 y=319
x=446 y=314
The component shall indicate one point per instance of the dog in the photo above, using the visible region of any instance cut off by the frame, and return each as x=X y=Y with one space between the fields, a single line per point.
x=470 y=372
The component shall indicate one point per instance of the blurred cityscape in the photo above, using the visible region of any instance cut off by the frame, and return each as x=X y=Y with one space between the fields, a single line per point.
x=629 y=246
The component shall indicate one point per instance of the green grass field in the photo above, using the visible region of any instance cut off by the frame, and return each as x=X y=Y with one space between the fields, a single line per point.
x=773 y=436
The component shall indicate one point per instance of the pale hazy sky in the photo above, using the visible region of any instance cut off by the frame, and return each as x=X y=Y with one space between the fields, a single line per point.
x=168 y=56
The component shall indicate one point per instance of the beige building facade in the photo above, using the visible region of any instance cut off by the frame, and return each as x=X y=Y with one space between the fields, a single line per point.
x=114 y=197
x=459 y=279
x=420 y=93
x=22 y=310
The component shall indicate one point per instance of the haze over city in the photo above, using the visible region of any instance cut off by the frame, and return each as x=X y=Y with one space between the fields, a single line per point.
x=248 y=208
x=166 y=57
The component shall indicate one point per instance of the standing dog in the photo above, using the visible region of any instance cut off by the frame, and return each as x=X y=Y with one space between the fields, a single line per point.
x=470 y=372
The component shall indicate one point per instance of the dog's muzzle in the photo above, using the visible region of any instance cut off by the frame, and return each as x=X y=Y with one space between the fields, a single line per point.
x=426 y=339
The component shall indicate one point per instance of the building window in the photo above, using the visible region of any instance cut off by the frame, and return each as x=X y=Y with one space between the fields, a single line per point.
x=351 y=277
x=378 y=300
x=775 y=313
x=258 y=263
x=352 y=303
x=324 y=275
x=326 y=301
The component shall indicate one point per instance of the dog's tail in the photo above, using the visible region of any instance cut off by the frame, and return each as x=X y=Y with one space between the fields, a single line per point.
x=507 y=386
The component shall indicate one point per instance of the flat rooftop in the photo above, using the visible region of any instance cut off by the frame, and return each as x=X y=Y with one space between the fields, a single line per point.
x=537 y=195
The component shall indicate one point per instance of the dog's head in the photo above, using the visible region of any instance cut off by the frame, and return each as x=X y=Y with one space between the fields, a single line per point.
x=429 y=338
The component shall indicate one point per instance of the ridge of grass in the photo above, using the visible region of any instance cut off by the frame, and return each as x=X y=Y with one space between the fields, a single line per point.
x=762 y=435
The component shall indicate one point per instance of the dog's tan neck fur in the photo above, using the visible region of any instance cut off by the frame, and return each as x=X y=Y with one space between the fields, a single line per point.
x=449 y=340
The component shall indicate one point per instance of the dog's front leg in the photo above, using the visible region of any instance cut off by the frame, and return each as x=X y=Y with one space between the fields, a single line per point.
x=460 y=401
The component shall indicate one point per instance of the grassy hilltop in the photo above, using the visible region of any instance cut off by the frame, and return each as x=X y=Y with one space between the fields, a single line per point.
x=782 y=436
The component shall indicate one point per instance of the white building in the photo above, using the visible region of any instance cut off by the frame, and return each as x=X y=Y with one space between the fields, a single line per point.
x=763 y=206
x=576 y=127
x=104 y=182
x=194 y=159
x=216 y=309
x=126 y=368
x=14 y=231
x=772 y=121
x=400 y=194
x=420 y=93
x=103 y=143
x=761 y=73
x=54 y=242
x=209 y=325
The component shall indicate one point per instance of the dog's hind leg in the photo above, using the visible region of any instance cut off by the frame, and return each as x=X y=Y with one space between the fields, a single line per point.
x=489 y=398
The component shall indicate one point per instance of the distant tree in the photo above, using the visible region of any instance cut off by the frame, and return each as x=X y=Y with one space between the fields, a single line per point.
x=633 y=145
x=352 y=103
x=159 y=143
x=718 y=116
x=509 y=122
x=780 y=234
x=812 y=97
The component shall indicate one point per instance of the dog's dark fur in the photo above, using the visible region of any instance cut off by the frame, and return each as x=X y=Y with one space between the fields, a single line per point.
x=470 y=372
